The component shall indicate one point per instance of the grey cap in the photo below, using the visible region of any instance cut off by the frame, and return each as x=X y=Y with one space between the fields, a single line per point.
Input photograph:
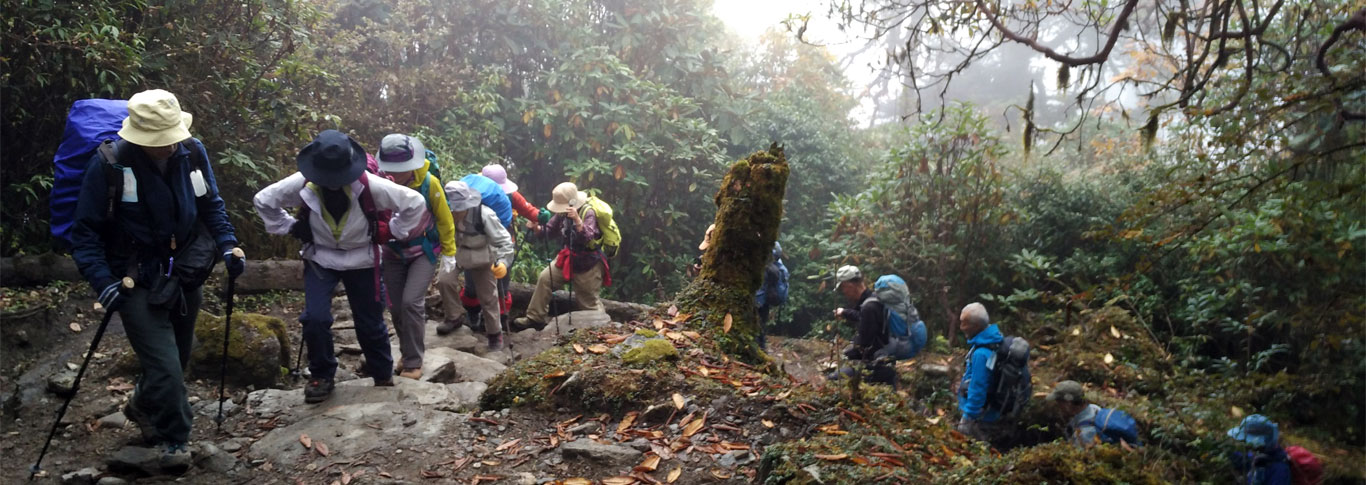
x=401 y=153
x=461 y=197
x=1069 y=391
x=846 y=273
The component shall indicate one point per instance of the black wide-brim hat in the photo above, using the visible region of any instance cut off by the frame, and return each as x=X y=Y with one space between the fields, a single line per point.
x=332 y=159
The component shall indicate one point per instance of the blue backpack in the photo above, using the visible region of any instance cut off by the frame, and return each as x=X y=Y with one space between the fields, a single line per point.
x=1113 y=425
x=493 y=196
x=89 y=123
x=774 y=290
x=906 y=333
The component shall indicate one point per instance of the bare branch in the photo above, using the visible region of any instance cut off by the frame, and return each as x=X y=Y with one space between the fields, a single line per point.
x=1099 y=57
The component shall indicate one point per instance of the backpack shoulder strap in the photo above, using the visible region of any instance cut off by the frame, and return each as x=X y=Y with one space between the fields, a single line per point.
x=367 y=200
x=113 y=174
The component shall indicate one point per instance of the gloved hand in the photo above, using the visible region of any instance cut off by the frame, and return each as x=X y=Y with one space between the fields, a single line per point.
x=500 y=269
x=839 y=313
x=543 y=216
x=112 y=297
x=235 y=264
x=301 y=231
x=447 y=265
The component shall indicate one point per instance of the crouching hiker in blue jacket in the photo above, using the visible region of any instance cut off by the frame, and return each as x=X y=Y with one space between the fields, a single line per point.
x=166 y=230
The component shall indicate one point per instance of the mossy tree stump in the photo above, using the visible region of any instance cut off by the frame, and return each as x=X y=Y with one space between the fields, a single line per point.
x=749 y=211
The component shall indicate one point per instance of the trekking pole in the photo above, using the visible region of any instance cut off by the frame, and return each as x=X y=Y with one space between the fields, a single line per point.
x=227 y=332
x=76 y=384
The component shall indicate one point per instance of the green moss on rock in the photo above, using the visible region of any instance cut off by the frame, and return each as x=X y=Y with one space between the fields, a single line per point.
x=651 y=350
x=258 y=350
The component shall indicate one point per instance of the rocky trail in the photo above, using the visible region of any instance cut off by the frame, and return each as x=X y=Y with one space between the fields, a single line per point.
x=427 y=430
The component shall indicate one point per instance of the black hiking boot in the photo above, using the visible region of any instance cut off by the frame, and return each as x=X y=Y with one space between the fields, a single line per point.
x=318 y=390
x=142 y=420
x=449 y=326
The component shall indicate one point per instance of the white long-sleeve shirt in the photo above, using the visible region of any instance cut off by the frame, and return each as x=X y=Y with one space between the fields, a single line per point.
x=353 y=249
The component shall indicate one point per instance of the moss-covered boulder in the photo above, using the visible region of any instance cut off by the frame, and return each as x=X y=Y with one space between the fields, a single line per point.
x=258 y=350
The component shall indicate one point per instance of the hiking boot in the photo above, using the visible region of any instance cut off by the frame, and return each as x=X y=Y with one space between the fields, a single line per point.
x=522 y=323
x=496 y=342
x=318 y=390
x=414 y=373
x=144 y=422
x=175 y=458
x=449 y=326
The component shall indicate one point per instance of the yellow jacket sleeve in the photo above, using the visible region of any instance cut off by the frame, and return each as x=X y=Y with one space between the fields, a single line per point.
x=445 y=224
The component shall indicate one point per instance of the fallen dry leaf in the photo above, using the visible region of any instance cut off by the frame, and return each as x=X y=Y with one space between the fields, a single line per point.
x=1114 y=331
x=838 y=457
x=673 y=475
x=578 y=481
x=935 y=420
x=693 y=427
x=507 y=445
x=618 y=481
x=626 y=422
x=692 y=335
x=491 y=462
x=1076 y=330
x=650 y=464
x=597 y=348
x=321 y=448
x=306 y=441
x=431 y=474
x=578 y=348
x=1237 y=411
x=1109 y=359
x=346 y=478
x=75 y=327
x=767 y=423
x=614 y=339
x=721 y=474
x=659 y=324
x=552 y=375
x=678 y=401
x=725 y=323
x=673 y=310
x=859 y=460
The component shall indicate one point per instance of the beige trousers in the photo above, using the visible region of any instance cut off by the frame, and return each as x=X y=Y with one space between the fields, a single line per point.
x=585 y=284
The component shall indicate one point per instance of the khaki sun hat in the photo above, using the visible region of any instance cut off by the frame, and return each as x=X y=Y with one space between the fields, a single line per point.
x=566 y=196
x=155 y=120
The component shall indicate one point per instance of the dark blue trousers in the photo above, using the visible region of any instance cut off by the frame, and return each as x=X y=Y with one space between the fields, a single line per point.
x=367 y=308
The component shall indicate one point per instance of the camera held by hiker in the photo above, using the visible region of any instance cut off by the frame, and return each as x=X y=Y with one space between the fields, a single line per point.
x=582 y=223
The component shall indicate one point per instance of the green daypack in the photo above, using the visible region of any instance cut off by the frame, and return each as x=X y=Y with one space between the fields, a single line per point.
x=610 y=241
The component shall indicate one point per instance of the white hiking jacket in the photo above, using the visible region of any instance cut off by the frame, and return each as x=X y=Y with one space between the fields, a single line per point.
x=353 y=250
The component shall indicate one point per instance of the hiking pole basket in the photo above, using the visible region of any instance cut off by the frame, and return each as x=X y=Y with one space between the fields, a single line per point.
x=227 y=332
x=76 y=384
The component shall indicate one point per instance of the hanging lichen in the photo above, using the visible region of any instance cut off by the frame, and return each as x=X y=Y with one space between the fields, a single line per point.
x=1174 y=19
x=1150 y=131
x=1064 y=75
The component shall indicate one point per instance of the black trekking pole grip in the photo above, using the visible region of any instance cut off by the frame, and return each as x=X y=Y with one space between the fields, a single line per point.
x=76 y=384
x=227 y=332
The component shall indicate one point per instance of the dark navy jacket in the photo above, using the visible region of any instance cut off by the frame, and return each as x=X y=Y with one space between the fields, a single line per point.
x=165 y=207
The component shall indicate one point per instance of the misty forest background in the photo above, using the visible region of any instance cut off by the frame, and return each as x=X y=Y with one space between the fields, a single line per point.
x=1205 y=175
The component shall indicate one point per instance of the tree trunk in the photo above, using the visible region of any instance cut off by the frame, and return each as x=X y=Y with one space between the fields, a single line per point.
x=749 y=210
